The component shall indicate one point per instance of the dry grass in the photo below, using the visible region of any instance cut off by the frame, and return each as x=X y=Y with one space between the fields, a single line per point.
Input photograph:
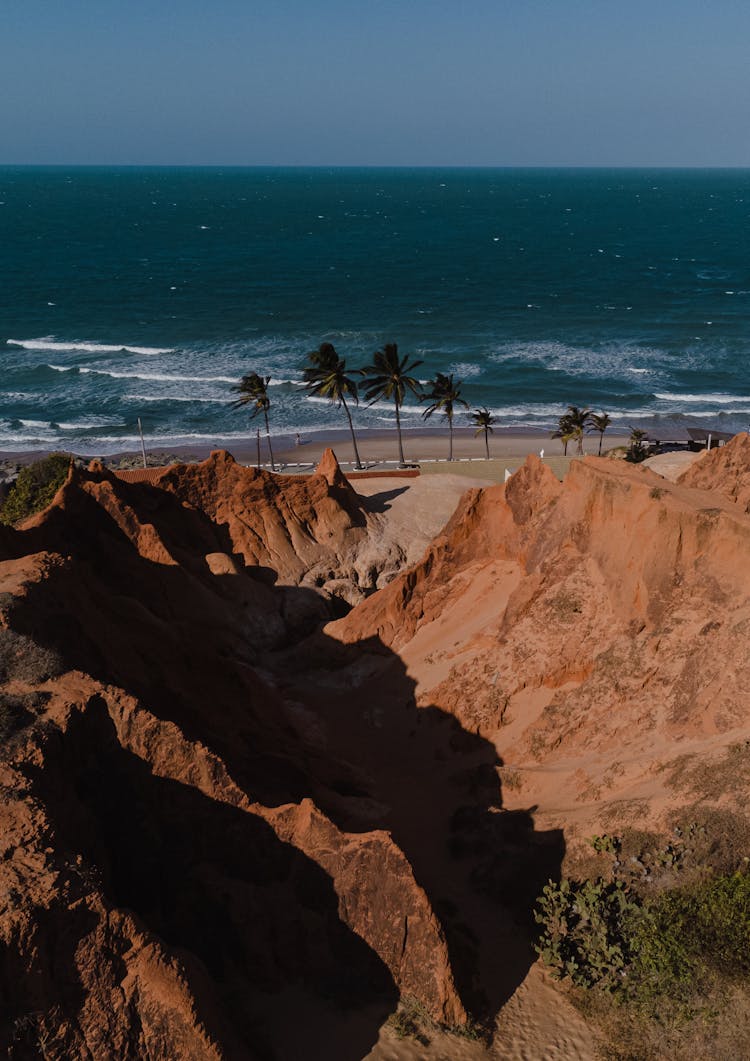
x=711 y=779
x=22 y=659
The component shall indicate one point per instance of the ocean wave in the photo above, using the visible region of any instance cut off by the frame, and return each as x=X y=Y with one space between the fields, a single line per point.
x=136 y=398
x=86 y=423
x=88 y=348
x=156 y=377
x=718 y=399
x=466 y=369
x=31 y=423
x=610 y=359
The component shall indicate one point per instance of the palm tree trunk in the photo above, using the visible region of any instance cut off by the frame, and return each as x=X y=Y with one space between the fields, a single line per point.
x=358 y=462
x=601 y=439
x=450 y=438
x=400 y=443
x=579 y=449
x=268 y=436
x=565 y=447
x=486 y=443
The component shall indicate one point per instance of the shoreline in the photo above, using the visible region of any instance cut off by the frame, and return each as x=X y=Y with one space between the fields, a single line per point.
x=378 y=447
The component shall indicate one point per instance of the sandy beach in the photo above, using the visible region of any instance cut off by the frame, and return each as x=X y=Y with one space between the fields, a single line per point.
x=378 y=451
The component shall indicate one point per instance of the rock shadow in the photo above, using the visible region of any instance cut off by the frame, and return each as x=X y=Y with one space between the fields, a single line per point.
x=379 y=502
x=413 y=770
x=250 y=918
x=227 y=659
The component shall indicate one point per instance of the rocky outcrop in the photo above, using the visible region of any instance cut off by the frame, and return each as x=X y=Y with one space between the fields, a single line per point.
x=219 y=811
x=594 y=630
x=188 y=851
x=725 y=470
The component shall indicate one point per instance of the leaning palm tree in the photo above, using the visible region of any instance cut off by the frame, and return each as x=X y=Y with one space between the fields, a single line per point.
x=483 y=421
x=599 y=422
x=444 y=396
x=578 y=420
x=388 y=379
x=566 y=432
x=253 y=391
x=325 y=376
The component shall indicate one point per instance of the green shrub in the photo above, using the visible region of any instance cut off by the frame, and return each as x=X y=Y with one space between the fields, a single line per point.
x=35 y=487
x=690 y=936
x=585 y=934
x=669 y=946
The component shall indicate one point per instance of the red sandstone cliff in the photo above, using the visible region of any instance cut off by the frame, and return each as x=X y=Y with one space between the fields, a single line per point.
x=178 y=869
x=216 y=815
x=595 y=631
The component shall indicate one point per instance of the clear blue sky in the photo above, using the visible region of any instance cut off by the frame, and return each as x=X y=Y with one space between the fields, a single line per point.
x=375 y=82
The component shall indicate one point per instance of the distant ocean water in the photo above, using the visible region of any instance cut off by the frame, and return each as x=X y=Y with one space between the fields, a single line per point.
x=147 y=292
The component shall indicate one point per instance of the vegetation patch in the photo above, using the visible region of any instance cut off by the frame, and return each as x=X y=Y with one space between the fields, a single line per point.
x=711 y=779
x=35 y=487
x=564 y=606
x=412 y=1021
x=22 y=659
x=666 y=962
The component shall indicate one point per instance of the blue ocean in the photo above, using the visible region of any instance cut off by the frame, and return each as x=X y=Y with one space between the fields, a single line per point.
x=146 y=293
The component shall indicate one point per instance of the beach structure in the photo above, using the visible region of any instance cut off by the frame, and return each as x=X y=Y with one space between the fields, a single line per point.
x=707 y=438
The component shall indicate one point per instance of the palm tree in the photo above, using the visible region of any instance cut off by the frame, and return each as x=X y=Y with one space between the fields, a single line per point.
x=325 y=376
x=444 y=396
x=253 y=391
x=483 y=421
x=600 y=422
x=388 y=378
x=565 y=432
x=637 y=450
x=577 y=421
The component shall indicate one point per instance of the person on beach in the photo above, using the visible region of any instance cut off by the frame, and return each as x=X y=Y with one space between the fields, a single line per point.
x=298 y=439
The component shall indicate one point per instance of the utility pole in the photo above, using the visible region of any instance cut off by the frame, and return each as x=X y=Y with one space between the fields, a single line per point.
x=143 y=444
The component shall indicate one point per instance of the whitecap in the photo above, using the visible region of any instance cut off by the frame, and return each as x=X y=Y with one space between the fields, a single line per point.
x=719 y=399
x=155 y=376
x=88 y=348
x=466 y=369
x=170 y=398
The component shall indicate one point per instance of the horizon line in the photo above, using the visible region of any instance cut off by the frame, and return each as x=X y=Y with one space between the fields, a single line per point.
x=378 y=166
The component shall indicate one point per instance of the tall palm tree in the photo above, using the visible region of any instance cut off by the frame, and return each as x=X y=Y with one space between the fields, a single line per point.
x=325 y=376
x=483 y=421
x=388 y=379
x=599 y=422
x=253 y=391
x=444 y=396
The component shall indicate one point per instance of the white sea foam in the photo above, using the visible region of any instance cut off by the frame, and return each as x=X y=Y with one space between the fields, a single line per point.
x=718 y=399
x=171 y=398
x=34 y=423
x=88 y=348
x=88 y=422
x=155 y=376
x=466 y=369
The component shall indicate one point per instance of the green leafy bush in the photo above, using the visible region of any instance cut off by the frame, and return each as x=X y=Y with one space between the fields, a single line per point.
x=35 y=487
x=690 y=936
x=670 y=945
x=585 y=933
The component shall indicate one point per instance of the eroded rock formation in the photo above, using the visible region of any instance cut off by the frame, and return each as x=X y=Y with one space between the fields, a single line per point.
x=595 y=631
x=184 y=854
x=219 y=811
